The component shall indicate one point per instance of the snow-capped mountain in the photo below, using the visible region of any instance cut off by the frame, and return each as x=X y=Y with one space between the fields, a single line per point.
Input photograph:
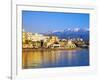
x=76 y=30
x=71 y=33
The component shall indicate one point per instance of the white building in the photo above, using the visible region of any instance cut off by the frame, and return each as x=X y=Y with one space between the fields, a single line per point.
x=29 y=36
x=39 y=37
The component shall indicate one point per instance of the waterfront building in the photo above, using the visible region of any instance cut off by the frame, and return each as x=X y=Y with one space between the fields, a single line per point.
x=52 y=40
x=39 y=37
x=55 y=45
x=29 y=36
x=27 y=46
x=23 y=36
x=62 y=43
x=70 y=45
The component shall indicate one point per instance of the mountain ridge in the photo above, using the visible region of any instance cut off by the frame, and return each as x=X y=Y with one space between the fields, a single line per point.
x=70 y=33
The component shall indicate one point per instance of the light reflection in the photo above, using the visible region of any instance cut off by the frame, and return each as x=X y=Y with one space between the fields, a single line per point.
x=47 y=58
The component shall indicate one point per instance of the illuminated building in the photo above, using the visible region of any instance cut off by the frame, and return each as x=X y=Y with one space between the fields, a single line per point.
x=39 y=37
x=23 y=36
x=70 y=45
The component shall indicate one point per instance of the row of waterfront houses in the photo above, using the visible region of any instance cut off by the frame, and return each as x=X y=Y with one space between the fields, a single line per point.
x=35 y=40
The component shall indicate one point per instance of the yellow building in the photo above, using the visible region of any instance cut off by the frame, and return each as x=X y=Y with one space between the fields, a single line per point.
x=62 y=43
x=23 y=36
x=52 y=40
x=29 y=36
x=70 y=45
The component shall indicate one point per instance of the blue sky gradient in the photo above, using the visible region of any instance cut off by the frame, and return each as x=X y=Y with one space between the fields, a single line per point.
x=41 y=22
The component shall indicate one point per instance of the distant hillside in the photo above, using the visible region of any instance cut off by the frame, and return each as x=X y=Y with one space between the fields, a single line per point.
x=71 y=33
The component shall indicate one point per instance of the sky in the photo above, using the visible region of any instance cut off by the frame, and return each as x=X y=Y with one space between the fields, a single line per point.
x=41 y=22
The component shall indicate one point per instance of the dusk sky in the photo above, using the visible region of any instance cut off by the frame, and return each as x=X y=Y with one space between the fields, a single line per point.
x=40 y=22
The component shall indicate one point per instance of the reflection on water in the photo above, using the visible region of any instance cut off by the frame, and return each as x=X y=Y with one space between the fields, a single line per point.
x=55 y=58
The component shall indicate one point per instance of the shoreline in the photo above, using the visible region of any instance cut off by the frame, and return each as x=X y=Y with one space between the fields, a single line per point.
x=41 y=49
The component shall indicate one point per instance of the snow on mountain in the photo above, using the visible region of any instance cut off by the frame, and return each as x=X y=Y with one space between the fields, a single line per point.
x=72 y=33
x=75 y=29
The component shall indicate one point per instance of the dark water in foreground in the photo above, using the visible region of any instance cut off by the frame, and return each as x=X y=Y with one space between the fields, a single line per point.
x=55 y=58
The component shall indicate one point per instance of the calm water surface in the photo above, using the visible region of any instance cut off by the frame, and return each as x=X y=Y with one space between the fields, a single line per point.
x=55 y=58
